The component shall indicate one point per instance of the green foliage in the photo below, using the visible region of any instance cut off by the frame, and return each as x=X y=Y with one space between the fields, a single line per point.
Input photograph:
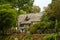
x=35 y=9
x=44 y=17
x=22 y=12
x=47 y=20
x=53 y=13
x=12 y=2
x=58 y=25
x=24 y=5
x=4 y=6
x=33 y=28
x=50 y=37
x=42 y=26
x=37 y=28
x=54 y=9
x=8 y=17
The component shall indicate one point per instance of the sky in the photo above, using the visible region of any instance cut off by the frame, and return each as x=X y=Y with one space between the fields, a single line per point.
x=42 y=3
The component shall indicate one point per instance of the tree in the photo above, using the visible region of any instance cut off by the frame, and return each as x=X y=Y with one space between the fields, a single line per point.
x=54 y=9
x=22 y=12
x=53 y=12
x=24 y=5
x=8 y=17
x=35 y=9
x=48 y=20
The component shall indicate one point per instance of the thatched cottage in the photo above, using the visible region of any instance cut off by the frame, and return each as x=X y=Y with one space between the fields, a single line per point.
x=25 y=20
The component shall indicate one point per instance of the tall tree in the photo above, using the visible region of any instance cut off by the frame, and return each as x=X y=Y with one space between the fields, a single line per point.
x=54 y=9
x=8 y=17
x=25 y=5
x=53 y=12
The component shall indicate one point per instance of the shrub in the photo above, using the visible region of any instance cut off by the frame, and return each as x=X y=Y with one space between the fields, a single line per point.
x=50 y=37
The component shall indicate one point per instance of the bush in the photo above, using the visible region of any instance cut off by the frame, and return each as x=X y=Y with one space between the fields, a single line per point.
x=50 y=37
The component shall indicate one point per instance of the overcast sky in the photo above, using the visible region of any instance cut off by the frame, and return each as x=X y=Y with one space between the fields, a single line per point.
x=42 y=3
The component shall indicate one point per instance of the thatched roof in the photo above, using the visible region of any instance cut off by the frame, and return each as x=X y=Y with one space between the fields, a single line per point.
x=33 y=17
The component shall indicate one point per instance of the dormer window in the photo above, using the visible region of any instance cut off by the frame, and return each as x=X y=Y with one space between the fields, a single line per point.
x=27 y=18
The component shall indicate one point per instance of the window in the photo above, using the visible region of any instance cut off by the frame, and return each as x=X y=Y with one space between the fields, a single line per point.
x=21 y=25
x=27 y=18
